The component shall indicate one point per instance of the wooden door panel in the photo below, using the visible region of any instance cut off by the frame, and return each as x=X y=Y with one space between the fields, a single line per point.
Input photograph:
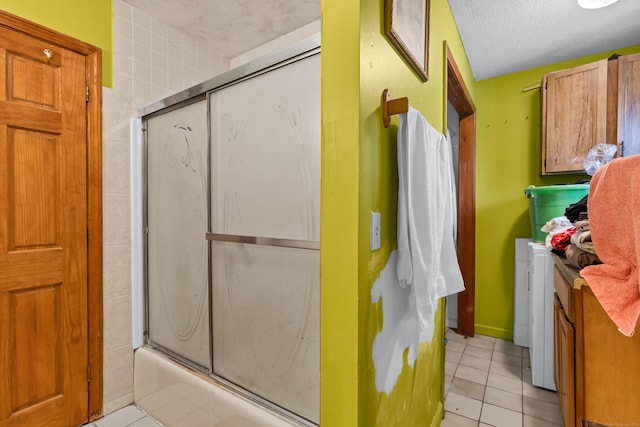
x=43 y=234
x=33 y=82
x=573 y=117
x=629 y=104
x=565 y=365
x=36 y=316
x=33 y=205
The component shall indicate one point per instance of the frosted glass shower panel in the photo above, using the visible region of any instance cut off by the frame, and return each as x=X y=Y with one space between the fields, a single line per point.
x=177 y=218
x=266 y=323
x=265 y=154
x=265 y=180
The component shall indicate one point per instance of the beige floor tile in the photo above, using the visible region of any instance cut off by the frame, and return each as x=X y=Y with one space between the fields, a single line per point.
x=447 y=389
x=475 y=362
x=479 y=337
x=455 y=346
x=481 y=353
x=467 y=388
x=505 y=369
x=544 y=410
x=481 y=343
x=463 y=405
x=146 y=422
x=526 y=362
x=507 y=359
x=506 y=394
x=543 y=394
x=122 y=417
x=447 y=384
x=450 y=368
x=507 y=347
x=503 y=399
x=530 y=421
x=471 y=374
x=511 y=384
x=452 y=356
x=455 y=420
x=500 y=417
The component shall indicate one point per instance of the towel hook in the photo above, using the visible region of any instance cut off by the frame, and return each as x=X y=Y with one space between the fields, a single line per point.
x=391 y=107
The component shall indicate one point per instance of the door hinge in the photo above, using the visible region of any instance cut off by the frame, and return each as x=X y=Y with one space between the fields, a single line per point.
x=86 y=92
x=89 y=373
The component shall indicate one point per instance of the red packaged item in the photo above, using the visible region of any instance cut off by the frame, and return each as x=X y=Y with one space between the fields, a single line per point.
x=562 y=239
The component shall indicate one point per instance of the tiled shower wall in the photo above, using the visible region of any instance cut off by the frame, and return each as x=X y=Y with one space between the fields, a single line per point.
x=151 y=61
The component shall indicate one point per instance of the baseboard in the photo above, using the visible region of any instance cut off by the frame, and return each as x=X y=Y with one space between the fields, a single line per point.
x=505 y=334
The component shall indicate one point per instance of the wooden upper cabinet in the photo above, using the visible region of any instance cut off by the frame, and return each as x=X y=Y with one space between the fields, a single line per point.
x=628 y=105
x=589 y=105
x=574 y=115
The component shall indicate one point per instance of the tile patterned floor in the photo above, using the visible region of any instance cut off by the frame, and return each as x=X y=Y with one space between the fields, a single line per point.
x=487 y=383
x=129 y=416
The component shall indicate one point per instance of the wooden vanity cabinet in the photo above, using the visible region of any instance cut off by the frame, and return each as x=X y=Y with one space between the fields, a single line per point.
x=596 y=367
x=564 y=338
x=588 y=105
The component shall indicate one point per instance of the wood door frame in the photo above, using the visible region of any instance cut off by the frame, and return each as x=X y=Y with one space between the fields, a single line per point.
x=458 y=94
x=93 y=67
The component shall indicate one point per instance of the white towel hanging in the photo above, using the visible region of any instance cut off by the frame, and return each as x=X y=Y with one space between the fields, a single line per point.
x=427 y=258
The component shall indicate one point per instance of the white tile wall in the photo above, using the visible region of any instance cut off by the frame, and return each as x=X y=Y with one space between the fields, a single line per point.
x=151 y=62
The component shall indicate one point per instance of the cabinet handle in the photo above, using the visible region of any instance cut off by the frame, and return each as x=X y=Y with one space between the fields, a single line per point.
x=621 y=148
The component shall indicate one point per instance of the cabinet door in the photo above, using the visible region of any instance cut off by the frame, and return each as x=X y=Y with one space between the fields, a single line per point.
x=564 y=364
x=629 y=105
x=574 y=112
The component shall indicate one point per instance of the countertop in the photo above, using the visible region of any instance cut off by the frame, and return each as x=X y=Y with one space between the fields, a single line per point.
x=570 y=273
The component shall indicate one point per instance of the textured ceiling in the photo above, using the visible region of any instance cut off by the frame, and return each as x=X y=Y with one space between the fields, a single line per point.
x=504 y=36
x=499 y=36
x=232 y=26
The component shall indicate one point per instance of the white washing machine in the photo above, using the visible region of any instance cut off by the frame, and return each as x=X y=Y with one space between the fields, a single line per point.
x=540 y=281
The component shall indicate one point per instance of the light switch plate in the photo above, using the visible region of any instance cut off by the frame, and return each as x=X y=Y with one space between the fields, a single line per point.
x=374 y=221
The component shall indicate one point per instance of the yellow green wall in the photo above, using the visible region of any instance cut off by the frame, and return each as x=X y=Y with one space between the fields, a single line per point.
x=359 y=175
x=508 y=160
x=87 y=20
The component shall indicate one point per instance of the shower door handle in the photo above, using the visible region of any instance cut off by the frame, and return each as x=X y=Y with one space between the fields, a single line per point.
x=264 y=241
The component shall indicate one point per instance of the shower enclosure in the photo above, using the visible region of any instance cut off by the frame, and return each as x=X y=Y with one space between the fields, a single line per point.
x=232 y=229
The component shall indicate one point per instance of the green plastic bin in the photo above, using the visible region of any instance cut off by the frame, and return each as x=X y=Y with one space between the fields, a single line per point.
x=549 y=202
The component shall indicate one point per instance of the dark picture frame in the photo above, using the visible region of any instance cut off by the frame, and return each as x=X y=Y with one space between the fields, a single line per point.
x=406 y=25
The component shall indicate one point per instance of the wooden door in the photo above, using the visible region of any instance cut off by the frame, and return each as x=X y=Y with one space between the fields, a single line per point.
x=574 y=116
x=458 y=95
x=43 y=234
x=629 y=105
x=564 y=364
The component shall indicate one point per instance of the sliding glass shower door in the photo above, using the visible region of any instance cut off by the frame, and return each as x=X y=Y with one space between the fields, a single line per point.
x=177 y=264
x=233 y=230
x=265 y=216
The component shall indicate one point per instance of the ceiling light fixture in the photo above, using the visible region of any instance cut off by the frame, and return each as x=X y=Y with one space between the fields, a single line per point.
x=595 y=4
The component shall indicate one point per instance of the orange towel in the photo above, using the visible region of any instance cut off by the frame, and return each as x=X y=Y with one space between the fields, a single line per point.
x=614 y=217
